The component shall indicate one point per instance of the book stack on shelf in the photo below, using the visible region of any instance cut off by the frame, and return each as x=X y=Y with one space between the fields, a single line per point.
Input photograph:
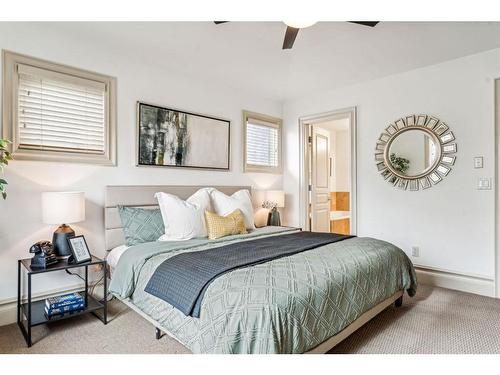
x=65 y=304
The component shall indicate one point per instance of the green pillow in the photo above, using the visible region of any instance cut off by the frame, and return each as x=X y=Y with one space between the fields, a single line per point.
x=141 y=224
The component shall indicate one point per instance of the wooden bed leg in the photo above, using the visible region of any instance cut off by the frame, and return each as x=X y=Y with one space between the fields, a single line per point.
x=399 y=302
x=158 y=334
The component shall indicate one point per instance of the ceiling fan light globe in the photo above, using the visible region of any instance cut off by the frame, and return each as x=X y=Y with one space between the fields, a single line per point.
x=299 y=24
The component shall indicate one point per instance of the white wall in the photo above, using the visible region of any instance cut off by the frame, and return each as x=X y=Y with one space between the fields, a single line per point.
x=20 y=218
x=453 y=223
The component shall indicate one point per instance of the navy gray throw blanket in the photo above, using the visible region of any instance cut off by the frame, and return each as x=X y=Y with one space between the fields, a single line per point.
x=182 y=279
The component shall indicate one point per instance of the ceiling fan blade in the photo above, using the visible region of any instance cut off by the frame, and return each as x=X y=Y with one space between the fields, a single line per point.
x=365 y=23
x=290 y=35
x=219 y=22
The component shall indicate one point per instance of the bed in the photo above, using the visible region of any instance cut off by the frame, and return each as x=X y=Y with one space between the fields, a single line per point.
x=303 y=303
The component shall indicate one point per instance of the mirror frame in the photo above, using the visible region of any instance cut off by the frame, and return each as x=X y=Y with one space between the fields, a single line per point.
x=439 y=132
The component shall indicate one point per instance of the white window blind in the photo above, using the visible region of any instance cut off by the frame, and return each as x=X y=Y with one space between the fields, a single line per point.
x=262 y=143
x=60 y=112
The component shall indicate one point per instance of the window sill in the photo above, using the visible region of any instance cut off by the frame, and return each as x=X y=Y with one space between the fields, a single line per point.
x=64 y=157
x=257 y=169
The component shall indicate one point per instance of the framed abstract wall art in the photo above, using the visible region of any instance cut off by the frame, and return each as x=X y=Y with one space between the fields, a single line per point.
x=172 y=138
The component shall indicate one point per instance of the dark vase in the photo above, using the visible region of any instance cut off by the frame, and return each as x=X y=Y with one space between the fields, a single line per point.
x=273 y=218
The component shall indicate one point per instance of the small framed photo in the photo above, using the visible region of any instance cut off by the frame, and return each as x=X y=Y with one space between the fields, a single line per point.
x=79 y=249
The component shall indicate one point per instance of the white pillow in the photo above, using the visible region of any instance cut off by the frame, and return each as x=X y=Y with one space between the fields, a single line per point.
x=184 y=220
x=224 y=205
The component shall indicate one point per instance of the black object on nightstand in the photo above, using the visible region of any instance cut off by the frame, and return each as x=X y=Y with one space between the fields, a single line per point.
x=34 y=311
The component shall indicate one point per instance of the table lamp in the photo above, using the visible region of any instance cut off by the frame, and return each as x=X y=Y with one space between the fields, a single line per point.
x=63 y=208
x=274 y=199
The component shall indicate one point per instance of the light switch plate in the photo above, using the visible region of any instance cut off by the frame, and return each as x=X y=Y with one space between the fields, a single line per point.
x=478 y=162
x=484 y=184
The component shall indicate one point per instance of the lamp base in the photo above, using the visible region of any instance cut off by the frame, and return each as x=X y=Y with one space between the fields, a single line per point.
x=60 y=241
x=273 y=219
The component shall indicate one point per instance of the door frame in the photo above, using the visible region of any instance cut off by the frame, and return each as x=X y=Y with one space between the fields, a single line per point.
x=496 y=185
x=305 y=158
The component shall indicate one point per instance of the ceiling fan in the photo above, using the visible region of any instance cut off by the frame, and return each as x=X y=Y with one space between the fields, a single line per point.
x=292 y=30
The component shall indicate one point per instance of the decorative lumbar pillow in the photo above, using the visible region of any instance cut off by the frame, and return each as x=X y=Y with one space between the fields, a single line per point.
x=224 y=205
x=141 y=224
x=221 y=226
x=184 y=219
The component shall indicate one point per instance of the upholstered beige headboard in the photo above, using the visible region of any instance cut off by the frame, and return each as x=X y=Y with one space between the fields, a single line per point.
x=141 y=196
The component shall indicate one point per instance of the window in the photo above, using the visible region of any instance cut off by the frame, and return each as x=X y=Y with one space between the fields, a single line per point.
x=58 y=113
x=262 y=143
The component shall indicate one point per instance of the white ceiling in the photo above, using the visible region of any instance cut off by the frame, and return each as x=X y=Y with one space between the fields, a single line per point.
x=248 y=55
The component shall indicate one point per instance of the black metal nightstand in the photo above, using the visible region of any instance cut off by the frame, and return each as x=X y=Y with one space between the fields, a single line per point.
x=34 y=311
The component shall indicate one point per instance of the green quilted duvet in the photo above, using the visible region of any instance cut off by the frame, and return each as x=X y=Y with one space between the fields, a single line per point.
x=287 y=305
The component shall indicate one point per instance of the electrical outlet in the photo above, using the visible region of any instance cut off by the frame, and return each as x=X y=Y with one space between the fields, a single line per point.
x=415 y=251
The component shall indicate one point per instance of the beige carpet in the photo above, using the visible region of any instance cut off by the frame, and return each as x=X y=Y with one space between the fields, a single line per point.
x=435 y=321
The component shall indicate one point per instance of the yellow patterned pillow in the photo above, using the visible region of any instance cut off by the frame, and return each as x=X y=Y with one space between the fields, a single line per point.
x=220 y=226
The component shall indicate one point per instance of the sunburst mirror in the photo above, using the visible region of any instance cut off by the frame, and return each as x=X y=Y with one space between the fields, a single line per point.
x=415 y=152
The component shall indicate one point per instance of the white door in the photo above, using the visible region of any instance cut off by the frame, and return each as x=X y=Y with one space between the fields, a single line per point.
x=320 y=180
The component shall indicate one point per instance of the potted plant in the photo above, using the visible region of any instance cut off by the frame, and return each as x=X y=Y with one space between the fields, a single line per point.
x=5 y=156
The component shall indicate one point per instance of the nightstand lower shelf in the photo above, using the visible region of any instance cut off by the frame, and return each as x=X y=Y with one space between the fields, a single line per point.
x=32 y=313
x=38 y=313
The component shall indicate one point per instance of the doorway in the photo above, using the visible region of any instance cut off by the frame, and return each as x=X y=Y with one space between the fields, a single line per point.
x=328 y=172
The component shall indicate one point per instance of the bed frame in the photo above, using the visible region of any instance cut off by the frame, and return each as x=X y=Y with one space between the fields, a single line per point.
x=143 y=196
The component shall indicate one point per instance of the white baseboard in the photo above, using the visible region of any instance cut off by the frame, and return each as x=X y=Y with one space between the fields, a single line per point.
x=450 y=280
x=8 y=313
x=8 y=309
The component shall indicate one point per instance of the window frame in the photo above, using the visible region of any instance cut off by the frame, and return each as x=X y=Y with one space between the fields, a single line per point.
x=278 y=123
x=10 y=86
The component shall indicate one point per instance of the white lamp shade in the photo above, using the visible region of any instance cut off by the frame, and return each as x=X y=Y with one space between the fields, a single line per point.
x=63 y=207
x=276 y=196
x=258 y=197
